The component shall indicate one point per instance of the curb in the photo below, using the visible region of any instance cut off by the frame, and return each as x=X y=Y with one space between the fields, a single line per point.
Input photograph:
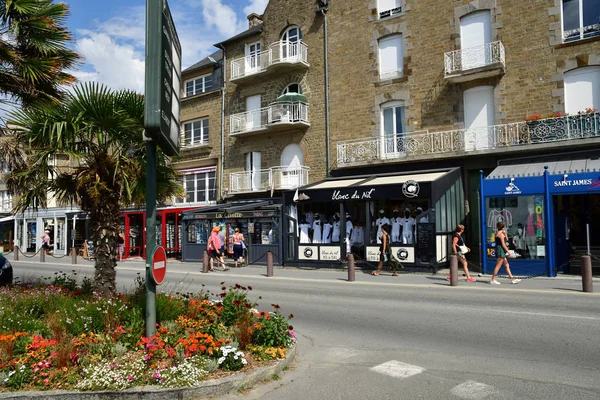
x=214 y=387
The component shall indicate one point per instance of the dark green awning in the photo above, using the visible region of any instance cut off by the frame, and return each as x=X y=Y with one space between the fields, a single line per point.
x=292 y=98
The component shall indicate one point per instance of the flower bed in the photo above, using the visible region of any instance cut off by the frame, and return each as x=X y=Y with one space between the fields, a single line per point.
x=62 y=336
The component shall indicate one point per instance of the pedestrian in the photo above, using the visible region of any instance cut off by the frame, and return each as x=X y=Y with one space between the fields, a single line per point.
x=502 y=253
x=385 y=252
x=46 y=242
x=120 y=245
x=214 y=249
x=460 y=249
x=238 y=247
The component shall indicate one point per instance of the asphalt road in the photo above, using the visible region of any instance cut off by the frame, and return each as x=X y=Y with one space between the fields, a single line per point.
x=413 y=337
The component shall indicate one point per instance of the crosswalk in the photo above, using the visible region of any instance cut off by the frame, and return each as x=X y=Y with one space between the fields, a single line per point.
x=469 y=390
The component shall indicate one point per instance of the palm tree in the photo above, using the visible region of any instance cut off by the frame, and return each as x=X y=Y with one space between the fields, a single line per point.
x=99 y=132
x=33 y=52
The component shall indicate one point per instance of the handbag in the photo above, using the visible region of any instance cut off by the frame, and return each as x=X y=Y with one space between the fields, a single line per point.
x=463 y=249
x=243 y=245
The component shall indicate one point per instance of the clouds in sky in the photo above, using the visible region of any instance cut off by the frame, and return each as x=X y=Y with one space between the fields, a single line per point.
x=113 y=50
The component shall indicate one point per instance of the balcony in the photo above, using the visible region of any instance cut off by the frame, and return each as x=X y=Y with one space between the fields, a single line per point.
x=476 y=62
x=277 y=117
x=275 y=178
x=279 y=57
x=577 y=130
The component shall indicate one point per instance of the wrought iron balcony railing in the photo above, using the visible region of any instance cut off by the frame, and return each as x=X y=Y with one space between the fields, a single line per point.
x=276 y=178
x=425 y=144
x=278 y=53
x=268 y=117
x=474 y=57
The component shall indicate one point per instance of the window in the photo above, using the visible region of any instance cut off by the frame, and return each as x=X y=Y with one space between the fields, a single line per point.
x=5 y=201
x=290 y=39
x=393 y=127
x=582 y=89
x=196 y=133
x=292 y=34
x=253 y=56
x=199 y=186
x=580 y=19
x=293 y=88
x=198 y=85
x=391 y=56
x=387 y=8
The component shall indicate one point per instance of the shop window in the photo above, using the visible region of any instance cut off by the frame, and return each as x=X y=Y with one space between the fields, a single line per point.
x=393 y=122
x=391 y=57
x=582 y=89
x=198 y=85
x=196 y=133
x=523 y=217
x=199 y=187
x=263 y=231
x=387 y=8
x=580 y=19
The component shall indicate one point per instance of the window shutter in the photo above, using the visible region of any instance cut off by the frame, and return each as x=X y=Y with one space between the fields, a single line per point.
x=582 y=89
x=390 y=54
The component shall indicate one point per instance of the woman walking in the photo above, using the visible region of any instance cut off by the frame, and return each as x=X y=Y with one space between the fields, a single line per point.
x=120 y=245
x=502 y=253
x=214 y=249
x=238 y=247
x=385 y=252
x=460 y=249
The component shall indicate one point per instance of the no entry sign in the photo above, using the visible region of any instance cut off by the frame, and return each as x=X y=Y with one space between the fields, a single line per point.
x=159 y=265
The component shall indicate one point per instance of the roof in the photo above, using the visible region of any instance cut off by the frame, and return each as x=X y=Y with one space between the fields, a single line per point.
x=205 y=62
x=537 y=169
x=249 y=32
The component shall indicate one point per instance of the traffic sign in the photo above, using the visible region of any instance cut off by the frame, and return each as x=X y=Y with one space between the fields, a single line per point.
x=159 y=265
x=163 y=77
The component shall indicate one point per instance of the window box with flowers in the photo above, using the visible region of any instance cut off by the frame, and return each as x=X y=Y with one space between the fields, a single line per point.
x=561 y=126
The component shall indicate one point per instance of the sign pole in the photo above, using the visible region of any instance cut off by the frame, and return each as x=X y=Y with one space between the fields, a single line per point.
x=150 y=237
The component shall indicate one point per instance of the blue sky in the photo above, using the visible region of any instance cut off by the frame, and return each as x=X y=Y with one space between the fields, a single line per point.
x=109 y=34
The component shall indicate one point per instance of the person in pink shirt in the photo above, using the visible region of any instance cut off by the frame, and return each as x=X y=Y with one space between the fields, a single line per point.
x=214 y=249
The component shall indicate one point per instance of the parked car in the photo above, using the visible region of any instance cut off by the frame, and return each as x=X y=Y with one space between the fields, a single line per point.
x=6 y=271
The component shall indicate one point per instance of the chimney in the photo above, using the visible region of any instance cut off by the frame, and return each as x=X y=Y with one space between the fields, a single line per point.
x=254 y=19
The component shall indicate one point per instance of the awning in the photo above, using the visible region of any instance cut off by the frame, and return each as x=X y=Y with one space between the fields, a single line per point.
x=537 y=169
x=7 y=219
x=292 y=98
x=247 y=209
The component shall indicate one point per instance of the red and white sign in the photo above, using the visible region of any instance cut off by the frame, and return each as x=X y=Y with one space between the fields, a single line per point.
x=159 y=265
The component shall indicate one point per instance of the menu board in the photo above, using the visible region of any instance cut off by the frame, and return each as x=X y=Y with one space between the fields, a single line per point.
x=426 y=239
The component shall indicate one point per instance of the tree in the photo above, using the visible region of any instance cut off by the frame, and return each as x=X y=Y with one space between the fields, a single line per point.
x=33 y=53
x=99 y=134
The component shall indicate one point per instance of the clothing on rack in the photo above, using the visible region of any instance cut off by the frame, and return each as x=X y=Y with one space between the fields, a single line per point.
x=407 y=230
x=396 y=225
x=358 y=235
x=380 y=223
x=335 y=236
x=317 y=231
x=304 y=233
x=327 y=232
x=496 y=216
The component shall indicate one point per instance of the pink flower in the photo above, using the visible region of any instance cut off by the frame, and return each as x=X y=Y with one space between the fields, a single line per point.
x=146 y=357
x=130 y=377
x=46 y=382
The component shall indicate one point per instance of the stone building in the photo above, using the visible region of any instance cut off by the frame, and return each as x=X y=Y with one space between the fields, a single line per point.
x=412 y=85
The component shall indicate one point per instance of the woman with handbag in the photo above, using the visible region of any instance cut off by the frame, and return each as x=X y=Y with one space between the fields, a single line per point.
x=214 y=249
x=460 y=249
x=238 y=246
x=385 y=252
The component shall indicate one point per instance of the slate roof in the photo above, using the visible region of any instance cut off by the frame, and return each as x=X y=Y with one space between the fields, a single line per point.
x=216 y=56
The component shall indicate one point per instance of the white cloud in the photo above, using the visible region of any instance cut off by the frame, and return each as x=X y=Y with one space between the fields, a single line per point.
x=256 y=6
x=221 y=16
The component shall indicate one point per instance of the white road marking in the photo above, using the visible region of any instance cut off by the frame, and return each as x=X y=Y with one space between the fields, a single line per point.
x=537 y=314
x=341 y=352
x=472 y=390
x=397 y=369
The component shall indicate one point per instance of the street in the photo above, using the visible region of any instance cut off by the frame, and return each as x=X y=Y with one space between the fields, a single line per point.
x=411 y=336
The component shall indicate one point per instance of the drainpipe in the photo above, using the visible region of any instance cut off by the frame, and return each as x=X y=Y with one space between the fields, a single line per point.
x=224 y=75
x=323 y=10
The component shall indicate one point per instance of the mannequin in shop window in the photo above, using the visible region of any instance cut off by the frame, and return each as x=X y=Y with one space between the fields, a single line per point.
x=317 y=229
x=327 y=227
x=530 y=231
x=381 y=221
x=519 y=240
x=335 y=235
x=304 y=226
x=349 y=227
x=408 y=226
x=396 y=223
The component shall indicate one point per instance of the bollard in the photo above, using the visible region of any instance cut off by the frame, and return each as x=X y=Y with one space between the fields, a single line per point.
x=586 y=274
x=453 y=270
x=42 y=255
x=16 y=250
x=269 y=263
x=73 y=255
x=351 y=271
x=205 y=262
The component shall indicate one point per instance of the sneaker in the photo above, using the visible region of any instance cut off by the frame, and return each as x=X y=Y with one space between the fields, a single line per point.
x=448 y=278
x=494 y=282
x=515 y=281
x=471 y=279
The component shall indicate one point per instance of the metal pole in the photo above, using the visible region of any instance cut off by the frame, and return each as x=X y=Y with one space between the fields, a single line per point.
x=586 y=274
x=587 y=231
x=482 y=233
x=150 y=237
x=453 y=270
x=269 y=263
x=325 y=52
x=351 y=269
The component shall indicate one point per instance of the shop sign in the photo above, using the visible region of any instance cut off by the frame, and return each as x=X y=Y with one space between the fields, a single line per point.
x=236 y=215
x=372 y=254
x=330 y=253
x=354 y=194
x=404 y=254
x=511 y=188
x=411 y=189
x=577 y=182
x=308 y=253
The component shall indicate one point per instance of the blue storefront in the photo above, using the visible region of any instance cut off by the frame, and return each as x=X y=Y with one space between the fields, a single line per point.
x=542 y=205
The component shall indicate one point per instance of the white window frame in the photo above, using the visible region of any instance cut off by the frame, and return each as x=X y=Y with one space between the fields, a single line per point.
x=202 y=141
x=200 y=174
x=286 y=90
x=398 y=72
x=203 y=90
x=595 y=70
x=397 y=145
x=253 y=57
x=285 y=37
x=388 y=12
x=581 y=28
x=5 y=201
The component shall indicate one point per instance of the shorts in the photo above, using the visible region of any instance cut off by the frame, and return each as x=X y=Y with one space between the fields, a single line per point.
x=213 y=254
x=238 y=251
x=45 y=246
x=120 y=248
x=460 y=255
x=500 y=252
